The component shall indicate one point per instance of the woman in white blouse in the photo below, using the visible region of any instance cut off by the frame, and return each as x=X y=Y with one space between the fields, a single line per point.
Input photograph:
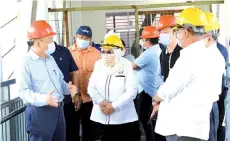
x=113 y=88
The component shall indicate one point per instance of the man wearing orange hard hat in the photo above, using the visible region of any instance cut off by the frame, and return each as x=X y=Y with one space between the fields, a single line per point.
x=41 y=87
x=149 y=76
x=167 y=37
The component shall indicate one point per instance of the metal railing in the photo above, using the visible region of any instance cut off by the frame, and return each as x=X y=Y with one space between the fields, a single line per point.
x=12 y=127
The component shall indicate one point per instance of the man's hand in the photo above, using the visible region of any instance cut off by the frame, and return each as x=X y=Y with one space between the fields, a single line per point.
x=51 y=100
x=156 y=98
x=72 y=89
x=77 y=102
x=107 y=109
x=155 y=108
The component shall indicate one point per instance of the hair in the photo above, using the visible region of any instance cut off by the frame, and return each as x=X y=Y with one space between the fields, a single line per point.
x=214 y=34
x=30 y=44
x=123 y=42
x=193 y=33
x=153 y=41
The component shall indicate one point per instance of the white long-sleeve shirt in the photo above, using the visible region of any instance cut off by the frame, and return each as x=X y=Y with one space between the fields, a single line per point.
x=193 y=85
x=117 y=85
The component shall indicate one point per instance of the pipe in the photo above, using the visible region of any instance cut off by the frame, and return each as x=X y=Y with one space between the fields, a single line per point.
x=124 y=7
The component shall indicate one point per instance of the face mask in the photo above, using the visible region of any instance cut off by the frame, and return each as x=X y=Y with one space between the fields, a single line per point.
x=179 y=42
x=141 y=42
x=165 y=39
x=117 y=54
x=108 y=59
x=82 y=44
x=51 y=48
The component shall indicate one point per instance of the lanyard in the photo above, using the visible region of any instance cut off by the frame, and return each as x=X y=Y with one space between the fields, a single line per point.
x=170 y=56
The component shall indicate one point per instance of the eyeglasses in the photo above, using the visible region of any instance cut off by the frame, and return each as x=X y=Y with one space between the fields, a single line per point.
x=106 y=52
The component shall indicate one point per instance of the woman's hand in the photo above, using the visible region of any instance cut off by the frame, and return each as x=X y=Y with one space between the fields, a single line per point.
x=107 y=108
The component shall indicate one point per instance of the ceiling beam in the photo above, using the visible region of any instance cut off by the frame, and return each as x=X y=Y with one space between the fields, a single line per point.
x=123 y=7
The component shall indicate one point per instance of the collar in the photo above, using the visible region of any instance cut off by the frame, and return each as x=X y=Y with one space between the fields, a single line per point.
x=89 y=49
x=117 y=68
x=177 y=48
x=156 y=45
x=57 y=46
x=195 y=47
x=34 y=55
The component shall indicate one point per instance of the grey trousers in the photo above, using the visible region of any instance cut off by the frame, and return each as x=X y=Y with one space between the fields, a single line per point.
x=176 y=138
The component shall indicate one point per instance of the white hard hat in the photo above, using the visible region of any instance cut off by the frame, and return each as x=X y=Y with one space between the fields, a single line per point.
x=111 y=32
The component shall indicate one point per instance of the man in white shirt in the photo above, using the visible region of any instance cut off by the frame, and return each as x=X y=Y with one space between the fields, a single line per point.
x=185 y=99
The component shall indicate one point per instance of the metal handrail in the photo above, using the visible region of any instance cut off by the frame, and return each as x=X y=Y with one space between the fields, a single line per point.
x=13 y=114
x=11 y=74
x=8 y=51
x=8 y=82
x=9 y=103
x=9 y=22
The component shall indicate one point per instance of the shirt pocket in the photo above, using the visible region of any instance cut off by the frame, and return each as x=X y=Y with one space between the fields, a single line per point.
x=117 y=84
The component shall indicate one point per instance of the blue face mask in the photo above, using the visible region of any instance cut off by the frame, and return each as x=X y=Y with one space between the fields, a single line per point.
x=51 y=48
x=165 y=39
x=82 y=44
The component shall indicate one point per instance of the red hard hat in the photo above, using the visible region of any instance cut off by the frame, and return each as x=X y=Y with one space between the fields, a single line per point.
x=166 y=21
x=40 y=29
x=149 y=32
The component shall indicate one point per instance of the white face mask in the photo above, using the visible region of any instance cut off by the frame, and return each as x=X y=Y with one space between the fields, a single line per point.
x=141 y=42
x=51 y=48
x=110 y=59
x=165 y=39
x=117 y=54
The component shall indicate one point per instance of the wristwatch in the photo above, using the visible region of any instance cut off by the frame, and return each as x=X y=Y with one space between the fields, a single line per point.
x=78 y=94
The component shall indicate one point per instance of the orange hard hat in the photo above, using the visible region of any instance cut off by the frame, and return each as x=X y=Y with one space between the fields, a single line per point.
x=40 y=29
x=149 y=32
x=166 y=21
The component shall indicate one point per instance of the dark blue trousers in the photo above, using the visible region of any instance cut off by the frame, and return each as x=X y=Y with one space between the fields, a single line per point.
x=214 y=122
x=45 y=123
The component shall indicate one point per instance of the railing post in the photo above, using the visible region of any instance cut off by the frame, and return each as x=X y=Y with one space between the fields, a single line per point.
x=67 y=28
x=1 y=74
x=137 y=31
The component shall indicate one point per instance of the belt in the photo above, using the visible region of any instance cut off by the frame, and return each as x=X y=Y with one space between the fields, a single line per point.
x=60 y=104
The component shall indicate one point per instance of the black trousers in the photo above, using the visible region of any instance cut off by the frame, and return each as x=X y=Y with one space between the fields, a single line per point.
x=72 y=119
x=123 y=132
x=221 y=107
x=88 y=126
x=144 y=108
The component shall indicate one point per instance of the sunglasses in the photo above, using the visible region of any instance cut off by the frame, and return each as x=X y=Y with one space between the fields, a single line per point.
x=106 y=52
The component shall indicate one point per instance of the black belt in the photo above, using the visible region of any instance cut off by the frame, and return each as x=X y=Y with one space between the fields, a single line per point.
x=60 y=104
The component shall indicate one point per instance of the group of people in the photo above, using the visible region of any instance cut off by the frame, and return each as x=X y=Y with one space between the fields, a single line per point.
x=172 y=92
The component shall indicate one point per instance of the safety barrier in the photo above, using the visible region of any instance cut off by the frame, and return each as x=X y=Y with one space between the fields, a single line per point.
x=12 y=126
